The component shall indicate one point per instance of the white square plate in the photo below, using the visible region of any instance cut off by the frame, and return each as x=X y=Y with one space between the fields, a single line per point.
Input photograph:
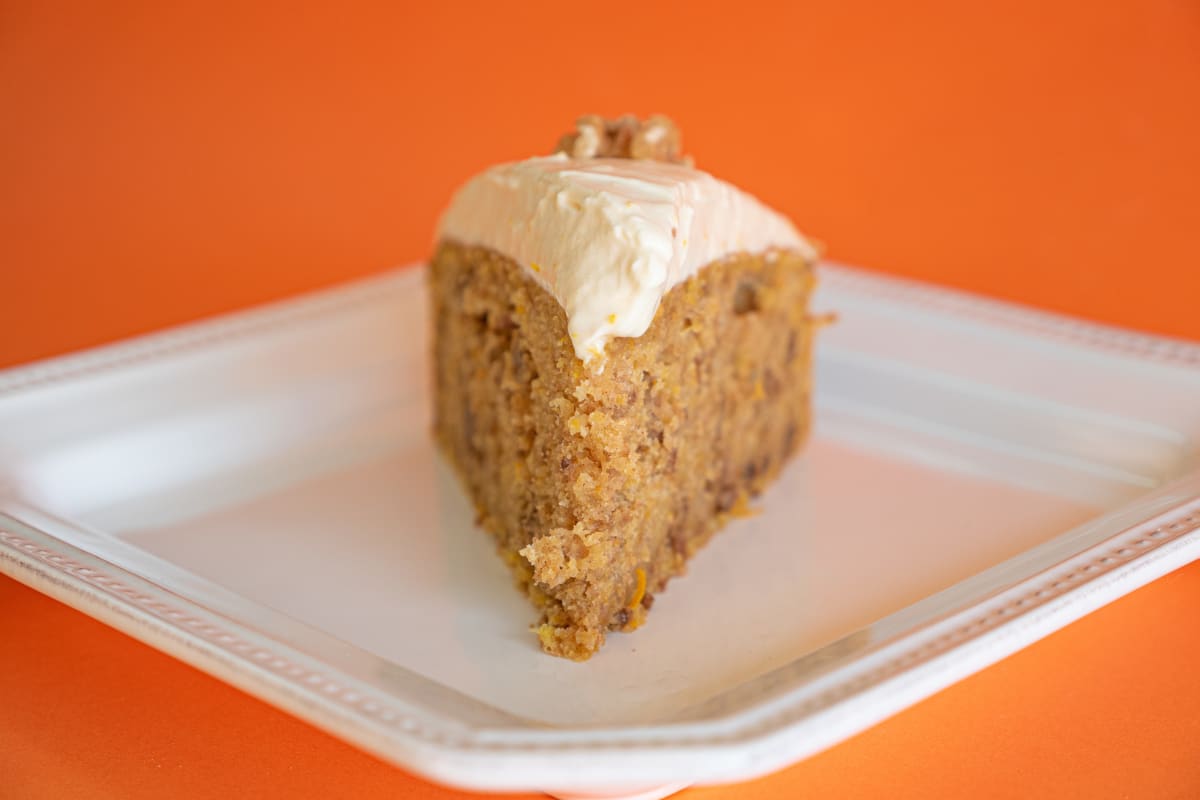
x=259 y=496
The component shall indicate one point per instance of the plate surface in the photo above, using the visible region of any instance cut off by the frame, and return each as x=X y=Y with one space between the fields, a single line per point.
x=259 y=496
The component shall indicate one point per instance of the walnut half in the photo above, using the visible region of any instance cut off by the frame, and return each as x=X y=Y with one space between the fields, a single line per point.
x=655 y=139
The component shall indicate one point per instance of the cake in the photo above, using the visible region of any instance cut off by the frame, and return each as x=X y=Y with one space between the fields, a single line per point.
x=622 y=359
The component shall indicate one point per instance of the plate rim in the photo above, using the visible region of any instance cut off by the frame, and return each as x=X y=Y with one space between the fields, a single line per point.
x=742 y=745
x=172 y=339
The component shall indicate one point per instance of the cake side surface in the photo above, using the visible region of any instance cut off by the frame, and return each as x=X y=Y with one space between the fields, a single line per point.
x=599 y=479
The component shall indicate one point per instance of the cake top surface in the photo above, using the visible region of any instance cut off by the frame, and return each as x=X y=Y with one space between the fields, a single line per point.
x=608 y=237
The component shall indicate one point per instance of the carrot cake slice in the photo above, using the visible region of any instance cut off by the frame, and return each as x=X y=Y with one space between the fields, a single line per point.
x=622 y=357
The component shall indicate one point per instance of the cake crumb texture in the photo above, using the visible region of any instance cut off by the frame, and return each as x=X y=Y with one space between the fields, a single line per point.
x=599 y=481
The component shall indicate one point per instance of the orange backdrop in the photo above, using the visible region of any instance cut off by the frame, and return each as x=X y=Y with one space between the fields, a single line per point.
x=161 y=164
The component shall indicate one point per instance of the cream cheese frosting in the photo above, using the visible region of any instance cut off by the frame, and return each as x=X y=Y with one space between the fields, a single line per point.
x=608 y=238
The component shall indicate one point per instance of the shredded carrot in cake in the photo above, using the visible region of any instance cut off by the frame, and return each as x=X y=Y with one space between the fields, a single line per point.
x=533 y=265
x=640 y=591
x=742 y=509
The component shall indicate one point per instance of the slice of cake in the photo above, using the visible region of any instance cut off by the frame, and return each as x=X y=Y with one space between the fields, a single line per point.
x=623 y=357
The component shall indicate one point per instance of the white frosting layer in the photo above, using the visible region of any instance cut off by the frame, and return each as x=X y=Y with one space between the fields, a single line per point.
x=609 y=237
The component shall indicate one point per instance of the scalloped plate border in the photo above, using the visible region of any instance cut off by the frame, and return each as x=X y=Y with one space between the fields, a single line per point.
x=804 y=715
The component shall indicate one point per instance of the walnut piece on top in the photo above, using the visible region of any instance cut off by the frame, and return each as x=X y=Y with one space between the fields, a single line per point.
x=655 y=138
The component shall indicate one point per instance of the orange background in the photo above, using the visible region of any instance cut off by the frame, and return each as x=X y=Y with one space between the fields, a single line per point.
x=160 y=165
